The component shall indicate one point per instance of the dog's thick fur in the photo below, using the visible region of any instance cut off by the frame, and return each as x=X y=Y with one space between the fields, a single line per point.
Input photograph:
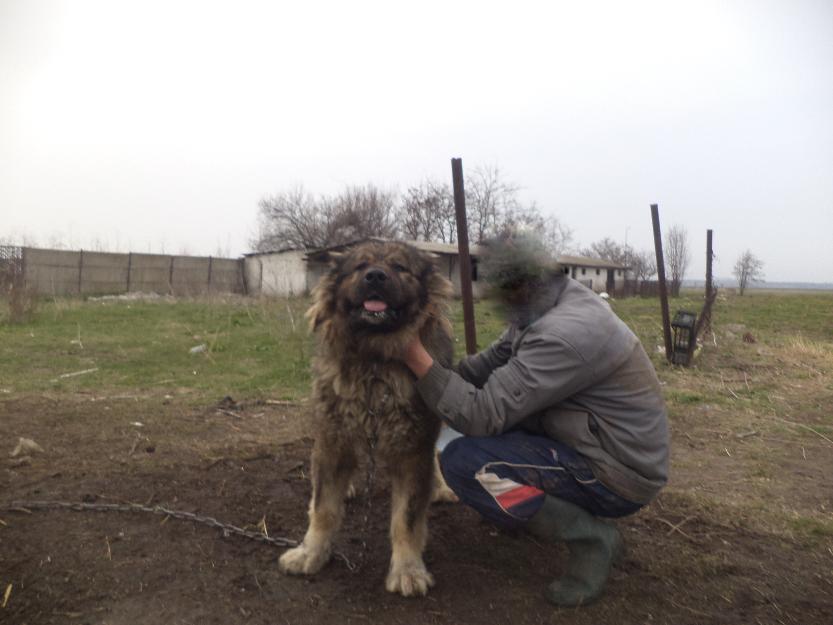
x=363 y=392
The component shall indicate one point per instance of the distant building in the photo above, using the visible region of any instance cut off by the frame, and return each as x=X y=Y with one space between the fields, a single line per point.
x=595 y=273
x=291 y=272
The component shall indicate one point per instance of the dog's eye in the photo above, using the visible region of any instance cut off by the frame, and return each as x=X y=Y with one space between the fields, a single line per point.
x=399 y=268
x=361 y=266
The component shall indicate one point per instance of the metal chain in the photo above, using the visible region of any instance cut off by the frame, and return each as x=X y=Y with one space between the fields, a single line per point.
x=372 y=441
x=227 y=528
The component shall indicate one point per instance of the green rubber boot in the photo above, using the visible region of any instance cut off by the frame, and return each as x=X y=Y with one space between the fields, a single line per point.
x=593 y=544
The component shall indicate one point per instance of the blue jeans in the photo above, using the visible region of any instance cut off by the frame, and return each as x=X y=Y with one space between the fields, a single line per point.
x=506 y=477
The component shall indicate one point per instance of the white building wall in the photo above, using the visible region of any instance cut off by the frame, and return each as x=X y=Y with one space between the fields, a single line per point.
x=594 y=280
x=282 y=274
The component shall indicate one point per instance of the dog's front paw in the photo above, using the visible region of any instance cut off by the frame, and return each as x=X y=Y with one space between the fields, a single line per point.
x=409 y=579
x=303 y=561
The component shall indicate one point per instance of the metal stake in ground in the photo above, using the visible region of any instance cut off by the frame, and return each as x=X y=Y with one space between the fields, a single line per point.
x=663 y=290
x=465 y=258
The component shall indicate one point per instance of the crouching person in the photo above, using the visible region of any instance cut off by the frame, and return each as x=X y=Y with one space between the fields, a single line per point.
x=563 y=420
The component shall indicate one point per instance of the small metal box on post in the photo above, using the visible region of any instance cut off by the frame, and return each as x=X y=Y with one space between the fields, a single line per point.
x=685 y=337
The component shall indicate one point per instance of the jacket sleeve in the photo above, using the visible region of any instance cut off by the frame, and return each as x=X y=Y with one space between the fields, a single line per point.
x=545 y=370
x=478 y=367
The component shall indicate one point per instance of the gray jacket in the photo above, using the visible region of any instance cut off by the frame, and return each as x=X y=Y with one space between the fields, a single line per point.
x=576 y=373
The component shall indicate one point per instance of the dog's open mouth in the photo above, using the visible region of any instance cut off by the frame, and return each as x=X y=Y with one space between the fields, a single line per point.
x=376 y=310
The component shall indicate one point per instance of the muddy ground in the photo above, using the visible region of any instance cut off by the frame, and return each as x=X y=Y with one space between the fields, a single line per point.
x=687 y=561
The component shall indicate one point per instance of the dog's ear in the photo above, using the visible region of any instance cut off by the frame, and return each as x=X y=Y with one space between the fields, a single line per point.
x=438 y=288
x=333 y=259
x=322 y=303
x=430 y=265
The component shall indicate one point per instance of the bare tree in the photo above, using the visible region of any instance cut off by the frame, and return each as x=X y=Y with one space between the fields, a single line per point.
x=677 y=256
x=748 y=269
x=493 y=206
x=643 y=265
x=295 y=219
x=608 y=249
x=360 y=212
x=489 y=198
x=555 y=235
x=427 y=213
x=289 y=219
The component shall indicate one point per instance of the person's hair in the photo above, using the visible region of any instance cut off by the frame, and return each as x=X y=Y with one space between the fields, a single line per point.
x=515 y=259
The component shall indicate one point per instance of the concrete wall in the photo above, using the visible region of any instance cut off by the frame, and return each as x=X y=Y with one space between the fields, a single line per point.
x=103 y=273
x=150 y=273
x=52 y=272
x=60 y=272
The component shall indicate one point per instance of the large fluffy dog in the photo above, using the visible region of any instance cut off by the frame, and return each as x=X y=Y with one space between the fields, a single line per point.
x=374 y=299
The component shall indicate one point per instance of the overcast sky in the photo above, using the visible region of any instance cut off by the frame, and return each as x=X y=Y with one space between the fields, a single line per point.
x=159 y=125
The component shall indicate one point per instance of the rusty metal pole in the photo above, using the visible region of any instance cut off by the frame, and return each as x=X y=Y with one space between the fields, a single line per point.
x=80 y=272
x=705 y=319
x=709 y=256
x=465 y=259
x=710 y=294
x=663 y=291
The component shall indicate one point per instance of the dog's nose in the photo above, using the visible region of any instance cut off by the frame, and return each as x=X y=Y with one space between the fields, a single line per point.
x=375 y=276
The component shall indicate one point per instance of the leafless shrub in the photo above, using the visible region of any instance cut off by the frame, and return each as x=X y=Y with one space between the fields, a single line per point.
x=22 y=303
x=21 y=300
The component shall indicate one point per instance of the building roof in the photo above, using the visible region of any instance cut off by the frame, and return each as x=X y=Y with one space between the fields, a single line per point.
x=443 y=248
x=585 y=261
x=448 y=249
x=283 y=250
x=426 y=246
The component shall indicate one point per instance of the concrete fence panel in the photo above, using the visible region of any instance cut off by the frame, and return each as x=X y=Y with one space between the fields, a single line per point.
x=59 y=272
x=103 y=272
x=227 y=275
x=190 y=276
x=52 y=272
x=150 y=273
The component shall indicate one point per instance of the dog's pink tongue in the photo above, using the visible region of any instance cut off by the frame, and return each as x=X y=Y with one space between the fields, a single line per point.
x=375 y=305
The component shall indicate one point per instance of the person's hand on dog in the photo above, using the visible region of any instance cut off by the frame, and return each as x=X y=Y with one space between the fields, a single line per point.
x=417 y=358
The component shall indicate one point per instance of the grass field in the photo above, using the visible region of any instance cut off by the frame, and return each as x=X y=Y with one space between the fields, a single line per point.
x=263 y=347
x=246 y=347
x=749 y=504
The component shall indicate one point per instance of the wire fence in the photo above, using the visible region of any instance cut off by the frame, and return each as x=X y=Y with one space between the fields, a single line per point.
x=11 y=267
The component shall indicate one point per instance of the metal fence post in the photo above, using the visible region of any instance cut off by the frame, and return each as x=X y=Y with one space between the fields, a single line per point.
x=171 y=276
x=80 y=270
x=663 y=291
x=465 y=259
x=709 y=257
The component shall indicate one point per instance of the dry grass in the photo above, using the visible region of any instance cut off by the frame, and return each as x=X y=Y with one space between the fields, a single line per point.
x=22 y=304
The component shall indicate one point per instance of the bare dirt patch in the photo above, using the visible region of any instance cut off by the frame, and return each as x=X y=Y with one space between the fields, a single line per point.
x=688 y=560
